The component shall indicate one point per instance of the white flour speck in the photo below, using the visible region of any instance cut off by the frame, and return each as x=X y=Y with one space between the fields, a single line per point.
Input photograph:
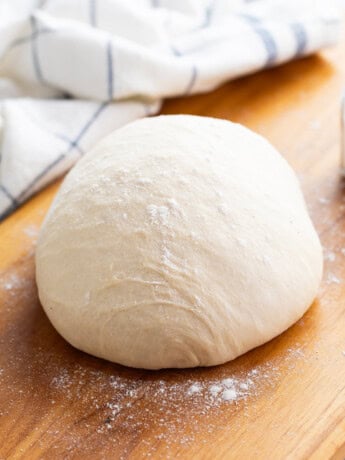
x=195 y=388
x=229 y=395
x=265 y=259
x=172 y=203
x=61 y=381
x=223 y=209
x=332 y=279
x=167 y=258
x=115 y=408
x=11 y=282
x=242 y=242
x=324 y=200
x=159 y=215
x=330 y=256
x=31 y=231
x=228 y=383
x=215 y=389
x=144 y=180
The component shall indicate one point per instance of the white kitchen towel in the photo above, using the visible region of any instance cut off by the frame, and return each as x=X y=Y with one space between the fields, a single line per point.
x=71 y=71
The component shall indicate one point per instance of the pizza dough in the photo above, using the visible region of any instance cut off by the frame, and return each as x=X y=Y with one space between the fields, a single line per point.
x=178 y=241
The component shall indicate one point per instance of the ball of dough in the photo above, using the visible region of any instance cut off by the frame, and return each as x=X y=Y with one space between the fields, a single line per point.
x=178 y=241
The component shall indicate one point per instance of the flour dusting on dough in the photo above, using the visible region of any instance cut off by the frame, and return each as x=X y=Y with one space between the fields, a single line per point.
x=159 y=215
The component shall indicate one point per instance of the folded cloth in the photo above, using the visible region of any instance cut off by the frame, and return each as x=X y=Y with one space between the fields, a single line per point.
x=71 y=71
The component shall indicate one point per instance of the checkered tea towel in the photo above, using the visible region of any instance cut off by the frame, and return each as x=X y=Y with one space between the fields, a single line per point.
x=71 y=71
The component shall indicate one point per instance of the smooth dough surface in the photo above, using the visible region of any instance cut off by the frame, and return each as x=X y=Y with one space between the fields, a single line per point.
x=178 y=241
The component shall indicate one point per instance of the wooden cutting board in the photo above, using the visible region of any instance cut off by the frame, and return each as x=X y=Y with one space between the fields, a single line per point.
x=286 y=399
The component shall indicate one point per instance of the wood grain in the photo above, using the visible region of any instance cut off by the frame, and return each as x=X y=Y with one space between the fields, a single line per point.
x=56 y=402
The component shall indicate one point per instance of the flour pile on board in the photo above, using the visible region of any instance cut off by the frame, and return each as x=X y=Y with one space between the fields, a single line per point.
x=194 y=397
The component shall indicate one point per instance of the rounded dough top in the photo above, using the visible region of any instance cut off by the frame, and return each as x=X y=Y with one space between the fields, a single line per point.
x=178 y=241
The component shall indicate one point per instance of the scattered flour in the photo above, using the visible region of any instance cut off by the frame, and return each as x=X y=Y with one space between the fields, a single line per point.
x=31 y=231
x=172 y=203
x=195 y=388
x=229 y=395
x=332 y=279
x=62 y=381
x=215 y=389
x=158 y=214
x=329 y=256
x=228 y=383
x=324 y=200
x=12 y=281
x=167 y=258
x=207 y=393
